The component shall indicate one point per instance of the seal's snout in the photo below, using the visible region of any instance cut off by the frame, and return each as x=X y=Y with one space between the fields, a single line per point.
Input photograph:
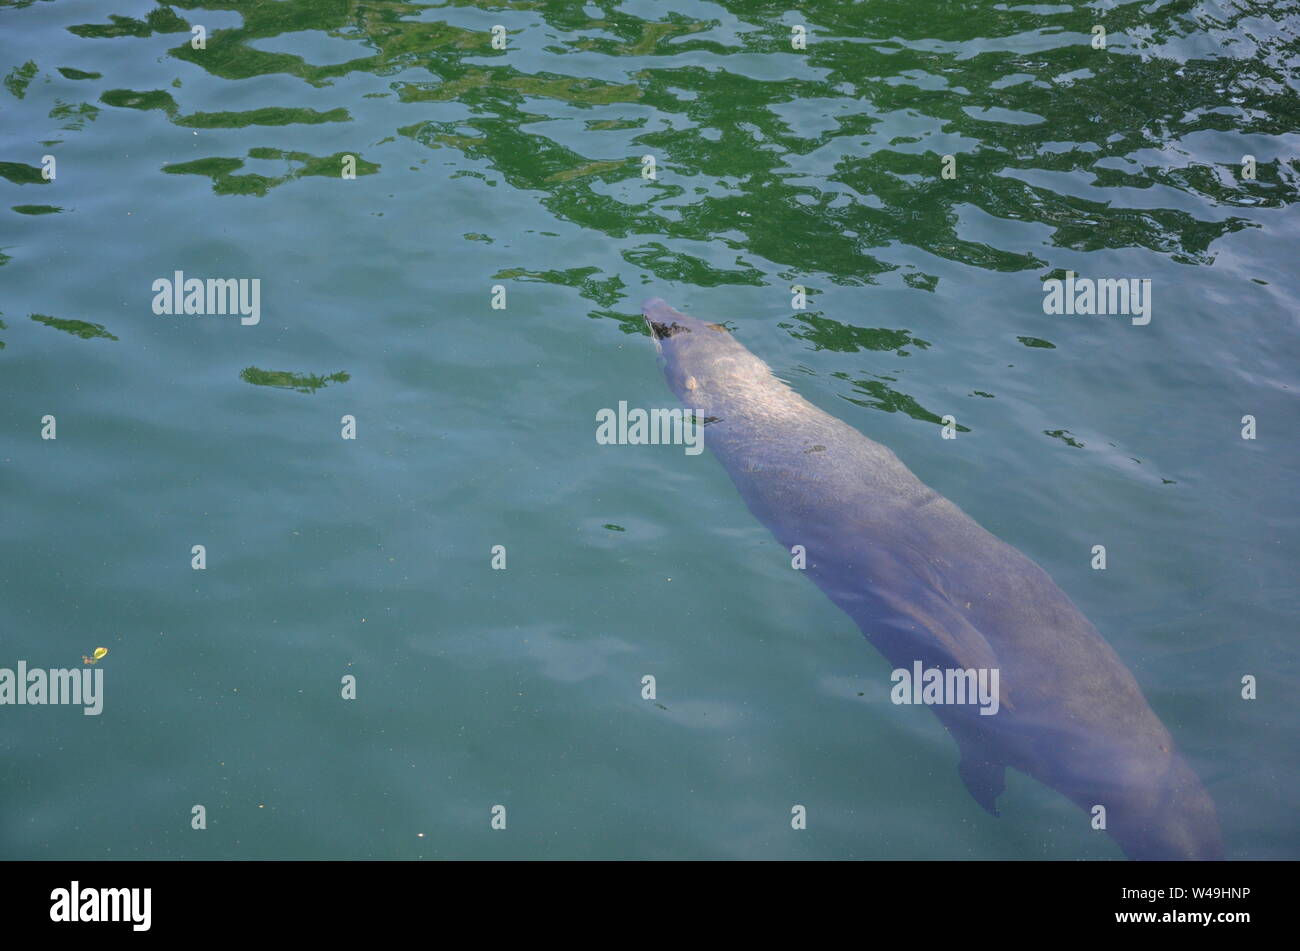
x=665 y=321
x=662 y=331
x=662 y=320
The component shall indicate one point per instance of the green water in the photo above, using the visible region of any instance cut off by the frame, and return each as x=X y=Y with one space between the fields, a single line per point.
x=523 y=168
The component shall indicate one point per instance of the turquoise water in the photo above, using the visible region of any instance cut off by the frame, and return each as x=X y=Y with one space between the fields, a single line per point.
x=522 y=167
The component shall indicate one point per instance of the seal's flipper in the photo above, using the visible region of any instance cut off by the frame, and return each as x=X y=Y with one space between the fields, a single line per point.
x=931 y=629
x=984 y=781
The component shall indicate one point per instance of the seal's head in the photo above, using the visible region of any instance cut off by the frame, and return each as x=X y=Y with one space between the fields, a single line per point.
x=665 y=322
x=696 y=356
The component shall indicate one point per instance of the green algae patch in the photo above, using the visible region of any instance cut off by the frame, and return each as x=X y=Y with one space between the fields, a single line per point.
x=590 y=168
x=19 y=78
x=225 y=182
x=67 y=72
x=597 y=125
x=162 y=100
x=77 y=114
x=21 y=174
x=78 y=328
x=287 y=380
x=606 y=293
x=159 y=20
x=1065 y=436
x=211 y=167
x=134 y=99
x=272 y=115
x=572 y=89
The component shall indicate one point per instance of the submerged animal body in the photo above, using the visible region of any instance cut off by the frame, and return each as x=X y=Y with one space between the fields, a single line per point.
x=925 y=583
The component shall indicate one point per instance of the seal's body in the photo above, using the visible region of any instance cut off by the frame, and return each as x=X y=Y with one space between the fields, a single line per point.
x=925 y=583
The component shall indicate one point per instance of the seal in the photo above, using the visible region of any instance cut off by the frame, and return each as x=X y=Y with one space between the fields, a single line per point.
x=930 y=588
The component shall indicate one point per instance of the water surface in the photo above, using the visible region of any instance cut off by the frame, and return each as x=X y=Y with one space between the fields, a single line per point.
x=522 y=167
